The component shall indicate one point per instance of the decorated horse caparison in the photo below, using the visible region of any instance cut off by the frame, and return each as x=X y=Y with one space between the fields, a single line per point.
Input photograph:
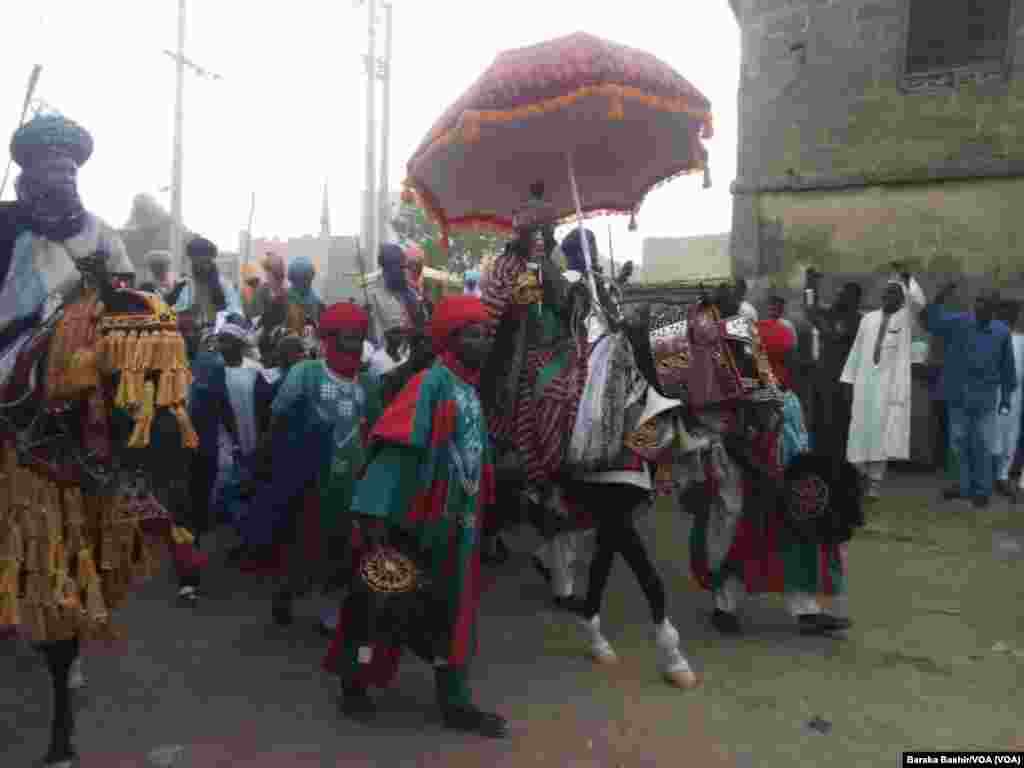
x=94 y=435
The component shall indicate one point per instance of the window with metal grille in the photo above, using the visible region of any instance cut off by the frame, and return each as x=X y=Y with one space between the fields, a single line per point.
x=950 y=34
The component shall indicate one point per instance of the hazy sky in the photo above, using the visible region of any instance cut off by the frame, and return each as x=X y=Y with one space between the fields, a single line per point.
x=290 y=111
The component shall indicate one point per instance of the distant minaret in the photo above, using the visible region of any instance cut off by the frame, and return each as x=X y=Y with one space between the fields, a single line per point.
x=323 y=266
x=325 y=216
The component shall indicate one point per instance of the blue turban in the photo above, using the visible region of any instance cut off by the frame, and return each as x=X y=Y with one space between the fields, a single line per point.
x=50 y=149
x=391 y=258
x=300 y=274
x=572 y=247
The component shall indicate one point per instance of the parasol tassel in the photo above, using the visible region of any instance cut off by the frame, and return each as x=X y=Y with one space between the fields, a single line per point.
x=707 y=176
x=617 y=108
x=469 y=126
x=632 y=222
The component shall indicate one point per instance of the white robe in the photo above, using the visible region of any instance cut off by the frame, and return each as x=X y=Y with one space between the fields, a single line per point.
x=880 y=426
x=1007 y=427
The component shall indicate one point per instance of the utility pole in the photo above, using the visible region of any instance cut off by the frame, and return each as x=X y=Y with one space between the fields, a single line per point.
x=248 y=231
x=384 y=227
x=371 y=160
x=177 y=235
x=180 y=62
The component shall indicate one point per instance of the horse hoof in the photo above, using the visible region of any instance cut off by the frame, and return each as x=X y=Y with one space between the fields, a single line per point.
x=684 y=679
x=604 y=657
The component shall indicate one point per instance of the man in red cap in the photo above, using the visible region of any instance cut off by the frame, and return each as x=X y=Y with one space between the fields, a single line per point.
x=314 y=450
x=425 y=490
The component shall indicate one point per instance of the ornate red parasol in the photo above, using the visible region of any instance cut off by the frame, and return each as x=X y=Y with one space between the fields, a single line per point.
x=618 y=119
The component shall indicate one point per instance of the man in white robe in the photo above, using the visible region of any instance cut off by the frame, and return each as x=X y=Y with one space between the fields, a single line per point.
x=1007 y=425
x=878 y=368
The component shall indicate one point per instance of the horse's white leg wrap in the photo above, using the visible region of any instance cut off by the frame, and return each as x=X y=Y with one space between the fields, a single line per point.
x=727 y=598
x=563 y=556
x=598 y=646
x=76 y=677
x=674 y=665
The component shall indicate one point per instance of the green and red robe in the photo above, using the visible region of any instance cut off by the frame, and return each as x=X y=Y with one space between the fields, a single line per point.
x=760 y=550
x=432 y=474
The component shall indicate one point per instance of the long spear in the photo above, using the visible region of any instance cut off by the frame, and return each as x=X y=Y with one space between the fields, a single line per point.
x=33 y=81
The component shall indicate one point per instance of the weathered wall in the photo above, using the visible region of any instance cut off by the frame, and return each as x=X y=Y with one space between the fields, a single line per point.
x=822 y=104
x=837 y=107
x=973 y=227
x=677 y=258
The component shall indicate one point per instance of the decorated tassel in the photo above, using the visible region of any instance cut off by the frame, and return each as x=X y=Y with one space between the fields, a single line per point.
x=10 y=615
x=140 y=352
x=469 y=126
x=165 y=390
x=168 y=351
x=632 y=222
x=144 y=419
x=181 y=536
x=89 y=581
x=707 y=176
x=116 y=350
x=189 y=438
x=616 y=110
x=121 y=398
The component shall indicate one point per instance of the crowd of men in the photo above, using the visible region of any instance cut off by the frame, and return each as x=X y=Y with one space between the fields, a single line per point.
x=852 y=372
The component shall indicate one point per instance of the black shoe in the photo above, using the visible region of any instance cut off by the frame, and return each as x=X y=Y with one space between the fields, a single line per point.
x=822 y=624
x=980 y=502
x=62 y=759
x=726 y=622
x=188 y=595
x=281 y=608
x=472 y=720
x=542 y=569
x=570 y=603
x=1004 y=489
x=950 y=494
x=356 y=703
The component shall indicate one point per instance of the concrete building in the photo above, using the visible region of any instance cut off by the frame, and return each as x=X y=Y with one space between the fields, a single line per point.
x=336 y=259
x=874 y=130
x=666 y=259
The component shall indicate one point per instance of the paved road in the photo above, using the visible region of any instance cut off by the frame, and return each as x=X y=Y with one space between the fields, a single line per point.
x=934 y=661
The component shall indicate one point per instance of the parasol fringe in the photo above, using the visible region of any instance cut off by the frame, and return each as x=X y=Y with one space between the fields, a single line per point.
x=617 y=108
x=469 y=126
x=612 y=91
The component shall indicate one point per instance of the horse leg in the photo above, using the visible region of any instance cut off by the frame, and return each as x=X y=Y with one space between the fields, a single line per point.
x=60 y=656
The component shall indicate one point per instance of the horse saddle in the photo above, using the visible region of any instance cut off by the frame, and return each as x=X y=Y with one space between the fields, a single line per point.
x=708 y=360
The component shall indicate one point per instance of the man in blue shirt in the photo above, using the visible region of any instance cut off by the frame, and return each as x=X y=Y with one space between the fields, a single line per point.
x=978 y=372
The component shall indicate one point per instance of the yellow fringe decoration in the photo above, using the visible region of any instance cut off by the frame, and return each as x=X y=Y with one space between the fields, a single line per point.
x=89 y=579
x=189 y=438
x=144 y=419
x=469 y=126
x=182 y=536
